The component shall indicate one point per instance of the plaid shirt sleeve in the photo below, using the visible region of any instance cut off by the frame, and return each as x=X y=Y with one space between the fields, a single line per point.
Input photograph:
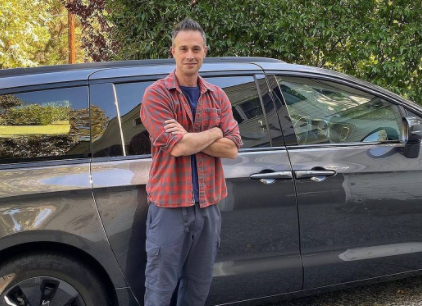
x=155 y=110
x=228 y=124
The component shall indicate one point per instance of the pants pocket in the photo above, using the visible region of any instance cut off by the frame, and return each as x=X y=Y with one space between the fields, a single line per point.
x=162 y=266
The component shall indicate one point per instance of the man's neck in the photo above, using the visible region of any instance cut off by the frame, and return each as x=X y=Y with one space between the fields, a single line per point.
x=188 y=81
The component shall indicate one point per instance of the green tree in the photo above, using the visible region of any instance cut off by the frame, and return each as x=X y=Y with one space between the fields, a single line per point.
x=22 y=31
x=376 y=40
x=34 y=33
x=96 y=28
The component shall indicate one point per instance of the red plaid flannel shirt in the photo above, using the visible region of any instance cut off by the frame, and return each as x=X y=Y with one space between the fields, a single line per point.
x=170 y=178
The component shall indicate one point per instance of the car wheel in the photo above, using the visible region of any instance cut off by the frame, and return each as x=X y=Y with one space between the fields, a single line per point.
x=50 y=279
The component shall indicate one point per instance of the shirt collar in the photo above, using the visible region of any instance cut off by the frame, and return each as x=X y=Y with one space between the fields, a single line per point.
x=171 y=83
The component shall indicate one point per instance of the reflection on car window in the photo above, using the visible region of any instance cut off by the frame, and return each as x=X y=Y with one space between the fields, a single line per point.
x=47 y=124
x=412 y=114
x=135 y=135
x=327 y=112
x=272 y=107
x=106 y=140
x=247 y=109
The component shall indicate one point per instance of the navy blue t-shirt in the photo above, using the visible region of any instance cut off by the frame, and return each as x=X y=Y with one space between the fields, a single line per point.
x=192 y=94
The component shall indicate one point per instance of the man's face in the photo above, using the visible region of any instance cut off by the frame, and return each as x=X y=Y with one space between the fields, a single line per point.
x=189 y=52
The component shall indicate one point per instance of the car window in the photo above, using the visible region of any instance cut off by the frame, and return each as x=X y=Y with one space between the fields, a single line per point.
x=412 y=114
x=106 y=137
x=247 y=109
x=243 y=94
x=327 y=112
x=272 y=108
x=43 y=125
x=135 y=136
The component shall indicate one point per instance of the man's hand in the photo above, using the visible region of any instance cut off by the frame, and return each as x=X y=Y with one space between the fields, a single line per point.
x=174 y=127
x=218 y=131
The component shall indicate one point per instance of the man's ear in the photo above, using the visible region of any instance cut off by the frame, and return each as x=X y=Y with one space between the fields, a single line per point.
x=172 y=51
x=205 y=51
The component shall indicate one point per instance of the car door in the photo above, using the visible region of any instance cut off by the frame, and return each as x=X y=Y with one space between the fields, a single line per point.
x=358 y=195
x=259 y=251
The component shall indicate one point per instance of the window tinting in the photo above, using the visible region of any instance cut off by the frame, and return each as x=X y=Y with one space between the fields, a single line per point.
x=106 y=140
x=47 y=124
x=135 y=135
x=412 y=114
x=247 y=109
x=272 y=107
x=327 y=112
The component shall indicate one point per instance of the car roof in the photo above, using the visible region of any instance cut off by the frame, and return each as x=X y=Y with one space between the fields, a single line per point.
x=18 y=77
x=120 y=64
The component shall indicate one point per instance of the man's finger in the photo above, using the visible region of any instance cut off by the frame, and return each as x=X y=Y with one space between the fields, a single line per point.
x=170 y=125
x=175 y=128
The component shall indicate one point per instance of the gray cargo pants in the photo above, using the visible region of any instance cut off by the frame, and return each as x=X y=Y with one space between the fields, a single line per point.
x=181 y=245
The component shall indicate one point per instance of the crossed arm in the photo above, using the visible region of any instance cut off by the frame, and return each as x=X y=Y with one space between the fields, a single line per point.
x=210 y=142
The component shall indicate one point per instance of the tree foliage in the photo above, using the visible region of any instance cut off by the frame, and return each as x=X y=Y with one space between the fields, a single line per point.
x=33 y=33
x=22 y=31
x=95 y=28
x=376 y=40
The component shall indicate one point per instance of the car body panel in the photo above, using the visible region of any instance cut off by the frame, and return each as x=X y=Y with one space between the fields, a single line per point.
x=119 y=190
x=259 y=240
x=360 y=223
x=54 y=204
x=259 y=229
x=125 y=297
x=16 y=82
x=365 y=221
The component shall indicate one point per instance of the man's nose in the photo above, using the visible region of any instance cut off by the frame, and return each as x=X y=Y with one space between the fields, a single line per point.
x=189 y=54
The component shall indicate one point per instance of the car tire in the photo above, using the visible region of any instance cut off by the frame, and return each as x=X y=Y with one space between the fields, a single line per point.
x=39 y=278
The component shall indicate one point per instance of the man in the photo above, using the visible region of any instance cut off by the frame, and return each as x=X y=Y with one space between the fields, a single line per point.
x=191 y=127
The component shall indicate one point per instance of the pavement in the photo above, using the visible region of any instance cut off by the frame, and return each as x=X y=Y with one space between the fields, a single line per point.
x=405 y=292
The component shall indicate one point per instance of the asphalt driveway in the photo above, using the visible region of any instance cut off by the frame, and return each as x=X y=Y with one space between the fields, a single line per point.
x=407 y=292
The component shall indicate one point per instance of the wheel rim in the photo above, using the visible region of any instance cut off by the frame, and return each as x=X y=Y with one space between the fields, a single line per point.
x=42 y=291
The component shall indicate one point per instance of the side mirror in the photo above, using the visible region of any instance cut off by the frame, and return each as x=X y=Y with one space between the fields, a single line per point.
x=412 y=132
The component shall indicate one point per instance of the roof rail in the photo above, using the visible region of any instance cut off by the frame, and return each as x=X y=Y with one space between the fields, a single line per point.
x=118 y=64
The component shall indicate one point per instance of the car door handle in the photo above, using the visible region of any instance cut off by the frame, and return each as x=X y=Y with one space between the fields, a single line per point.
x=315 y=175
x=270 y=177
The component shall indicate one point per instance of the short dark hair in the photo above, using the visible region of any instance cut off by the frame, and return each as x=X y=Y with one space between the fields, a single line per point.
x=187 y=25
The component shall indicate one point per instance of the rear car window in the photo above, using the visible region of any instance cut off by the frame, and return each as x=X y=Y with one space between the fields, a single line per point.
x=44 y=125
